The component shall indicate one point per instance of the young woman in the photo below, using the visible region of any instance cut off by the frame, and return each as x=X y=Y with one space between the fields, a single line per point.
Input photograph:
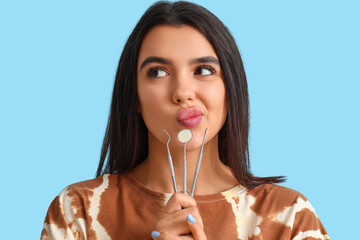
x=180 y=69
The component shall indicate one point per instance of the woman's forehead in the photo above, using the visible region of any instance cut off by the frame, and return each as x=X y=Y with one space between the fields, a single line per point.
x=175 y=42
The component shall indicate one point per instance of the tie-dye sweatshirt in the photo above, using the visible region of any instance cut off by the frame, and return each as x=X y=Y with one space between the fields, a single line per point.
x=115 y=206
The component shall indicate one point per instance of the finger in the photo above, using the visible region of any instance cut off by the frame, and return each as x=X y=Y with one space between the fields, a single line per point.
x=196 y=227
x=159 y=235
x=168 y=236
x=187 y=237
x=155 y=235
x=175 y=223
x=179 y=201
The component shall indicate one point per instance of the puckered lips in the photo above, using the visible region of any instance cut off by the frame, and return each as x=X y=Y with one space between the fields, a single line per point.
x=190 y=117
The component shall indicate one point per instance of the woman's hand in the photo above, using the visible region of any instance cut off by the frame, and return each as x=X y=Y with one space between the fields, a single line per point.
x=175 y=222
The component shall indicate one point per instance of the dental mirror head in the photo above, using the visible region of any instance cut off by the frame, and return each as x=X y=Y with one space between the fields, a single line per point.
x=184 y=136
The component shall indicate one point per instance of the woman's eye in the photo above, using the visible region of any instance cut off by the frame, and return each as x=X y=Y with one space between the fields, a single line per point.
x=156 y=73
x=204 y=71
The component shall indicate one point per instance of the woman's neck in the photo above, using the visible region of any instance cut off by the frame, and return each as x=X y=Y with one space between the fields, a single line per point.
x=214 y=176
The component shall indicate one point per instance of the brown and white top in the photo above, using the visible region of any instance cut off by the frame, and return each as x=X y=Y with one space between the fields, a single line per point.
x=115 y=206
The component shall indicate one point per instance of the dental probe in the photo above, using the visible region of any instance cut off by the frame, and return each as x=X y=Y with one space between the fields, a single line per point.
x=197 y=167
x=171 y=163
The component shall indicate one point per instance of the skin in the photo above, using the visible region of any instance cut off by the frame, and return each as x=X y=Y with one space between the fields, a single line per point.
x=164 y=89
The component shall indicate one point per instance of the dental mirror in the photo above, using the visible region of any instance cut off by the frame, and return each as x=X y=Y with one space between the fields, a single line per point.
x=184 y=136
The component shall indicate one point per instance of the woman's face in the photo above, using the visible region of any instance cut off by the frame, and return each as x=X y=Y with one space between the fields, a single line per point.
x=180 y=85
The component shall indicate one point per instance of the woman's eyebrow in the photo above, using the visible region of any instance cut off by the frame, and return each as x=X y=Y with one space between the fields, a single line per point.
x=153 y=59
x=206 y=59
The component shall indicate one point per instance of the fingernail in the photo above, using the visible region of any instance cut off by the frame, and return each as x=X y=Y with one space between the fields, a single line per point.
x=155 y=234
x=191 y=218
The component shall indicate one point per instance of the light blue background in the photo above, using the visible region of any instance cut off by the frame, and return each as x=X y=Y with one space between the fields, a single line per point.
x=57 y=65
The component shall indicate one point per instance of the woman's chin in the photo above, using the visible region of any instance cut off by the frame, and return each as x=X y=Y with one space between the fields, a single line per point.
x=193 y=145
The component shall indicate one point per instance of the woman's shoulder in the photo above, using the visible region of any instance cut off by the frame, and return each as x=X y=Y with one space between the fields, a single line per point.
x=282 y=206
x=266 y=193
x=83 y=193
x=90 y=184
x=276 y=192
x=67 y=213
x=92 y=187
x=278 y=198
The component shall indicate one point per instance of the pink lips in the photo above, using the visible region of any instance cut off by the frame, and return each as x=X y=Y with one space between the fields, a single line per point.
x=190 y=117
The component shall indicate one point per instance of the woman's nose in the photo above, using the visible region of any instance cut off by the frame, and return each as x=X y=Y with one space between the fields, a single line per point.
x=183 y=91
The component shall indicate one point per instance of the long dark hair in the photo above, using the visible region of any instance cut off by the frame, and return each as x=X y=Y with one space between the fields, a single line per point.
x=126 y=140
